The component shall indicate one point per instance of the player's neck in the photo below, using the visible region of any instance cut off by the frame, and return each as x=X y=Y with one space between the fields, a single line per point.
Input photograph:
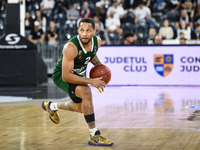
x=88 y=46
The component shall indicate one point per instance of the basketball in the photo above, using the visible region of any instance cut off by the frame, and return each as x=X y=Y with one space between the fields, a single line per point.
x=101 y=71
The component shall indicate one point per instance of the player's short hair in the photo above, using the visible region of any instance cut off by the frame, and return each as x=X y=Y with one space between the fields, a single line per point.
x=87 y=20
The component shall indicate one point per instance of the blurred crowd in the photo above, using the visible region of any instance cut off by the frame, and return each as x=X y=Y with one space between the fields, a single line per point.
x=117 y=22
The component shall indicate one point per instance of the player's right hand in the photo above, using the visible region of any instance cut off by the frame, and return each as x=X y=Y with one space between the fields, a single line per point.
x=98 y=83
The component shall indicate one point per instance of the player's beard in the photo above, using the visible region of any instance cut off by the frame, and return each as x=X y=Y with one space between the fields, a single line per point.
x=85 y=43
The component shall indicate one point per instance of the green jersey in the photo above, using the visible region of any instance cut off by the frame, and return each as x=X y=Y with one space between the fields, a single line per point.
x=83 y=57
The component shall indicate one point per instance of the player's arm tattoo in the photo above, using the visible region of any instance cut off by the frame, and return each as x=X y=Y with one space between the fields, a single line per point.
x=65 y=106
x=95 y=60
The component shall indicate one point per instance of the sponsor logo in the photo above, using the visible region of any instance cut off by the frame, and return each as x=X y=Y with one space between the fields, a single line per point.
x=79 y=71
x=95 y=50
x=190 y=64
x=131 y=64
x=163 y=64
x=100 y=71
x=96 y=141
x=12 y=38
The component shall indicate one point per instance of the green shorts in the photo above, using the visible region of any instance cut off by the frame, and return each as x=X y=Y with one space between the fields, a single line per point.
x=69 y=88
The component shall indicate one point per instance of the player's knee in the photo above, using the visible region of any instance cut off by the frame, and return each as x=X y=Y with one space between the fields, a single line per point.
x=84 y=92
x=87 y=93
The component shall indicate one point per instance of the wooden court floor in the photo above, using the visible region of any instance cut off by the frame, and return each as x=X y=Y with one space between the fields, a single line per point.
x=134 y=118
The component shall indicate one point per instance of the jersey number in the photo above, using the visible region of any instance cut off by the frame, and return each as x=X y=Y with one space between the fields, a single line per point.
x=87 y=60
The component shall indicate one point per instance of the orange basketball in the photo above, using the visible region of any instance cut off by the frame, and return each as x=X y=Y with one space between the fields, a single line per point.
x=101 y=71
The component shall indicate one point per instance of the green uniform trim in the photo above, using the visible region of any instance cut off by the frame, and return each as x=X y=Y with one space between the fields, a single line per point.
x=80 y=62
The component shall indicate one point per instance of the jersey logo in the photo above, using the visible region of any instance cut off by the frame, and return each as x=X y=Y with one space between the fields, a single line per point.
x=80 y=52
x=79 y=57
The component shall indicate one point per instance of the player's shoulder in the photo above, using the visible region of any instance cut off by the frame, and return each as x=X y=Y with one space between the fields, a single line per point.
x=69 y=47
x=99 y=41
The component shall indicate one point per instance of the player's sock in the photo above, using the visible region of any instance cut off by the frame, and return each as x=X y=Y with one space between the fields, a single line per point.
x=92 y=131
x=53 y=106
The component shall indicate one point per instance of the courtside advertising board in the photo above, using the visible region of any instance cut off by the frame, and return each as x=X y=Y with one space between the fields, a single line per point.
x=151 y=65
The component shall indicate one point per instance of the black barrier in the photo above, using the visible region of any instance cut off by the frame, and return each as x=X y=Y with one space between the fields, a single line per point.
x=22 y=68
x=12 y=18
x=20 y=62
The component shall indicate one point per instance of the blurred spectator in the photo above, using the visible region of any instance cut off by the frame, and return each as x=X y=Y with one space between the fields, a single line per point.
x=190 y=9
x=73 y=13
x=41 y=19
x=96 y=19
x=3 y=5
x=143 y=14
x=185 y=29
x=28 y=4
x=129 y=5
x=166 y=31
x=147 y=3
x=194 y=3
x=184 y=16
x=85 y=9
x=105 y=3
x=61 y=7
x=36 y=36
x=171 y=8
x=118 y=10
x=182 y=41
x=133 y=4
x=129 y=38
x=28 y=23
x=103 y=41
x=158 y=40
x=84 y=16
x=197 y=18
x=101 y=11
x=113 y=24
x=47 y=6
x=52 y=34
x=196 y=34
x=159 y=5
x=152 y=35
x=182 y=35
x=122 y=4
x=99 y=32
x=103 y=34
x=198 y=2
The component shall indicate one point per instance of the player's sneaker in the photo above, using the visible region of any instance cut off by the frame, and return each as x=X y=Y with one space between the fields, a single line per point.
x=98 y=140
x=53 y=115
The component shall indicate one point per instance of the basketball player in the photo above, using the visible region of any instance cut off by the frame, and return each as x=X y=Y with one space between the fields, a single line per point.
x=69 y=75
